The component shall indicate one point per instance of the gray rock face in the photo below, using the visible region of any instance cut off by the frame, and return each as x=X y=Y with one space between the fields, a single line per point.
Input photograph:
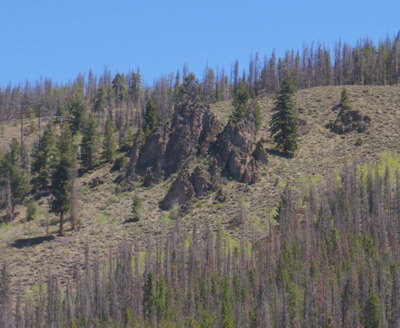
x=192 y=132
x=189 y=183
x=194 y=129
x=260 y=154
x=233 y=150
x=134 y=153
x=153 y=150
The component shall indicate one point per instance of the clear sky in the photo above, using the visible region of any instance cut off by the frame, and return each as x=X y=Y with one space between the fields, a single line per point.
x=61 y=38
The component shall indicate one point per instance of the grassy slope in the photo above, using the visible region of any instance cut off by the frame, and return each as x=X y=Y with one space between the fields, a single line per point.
x=102 y=211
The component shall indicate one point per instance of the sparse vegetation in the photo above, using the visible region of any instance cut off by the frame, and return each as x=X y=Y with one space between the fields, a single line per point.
x=326 y=254
x=302 y=244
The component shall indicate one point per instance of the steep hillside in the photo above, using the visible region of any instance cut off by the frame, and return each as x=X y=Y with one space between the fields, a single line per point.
x=105 y=207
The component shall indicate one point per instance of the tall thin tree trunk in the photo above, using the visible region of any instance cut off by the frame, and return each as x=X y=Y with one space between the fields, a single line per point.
x=75 y=200
x=61 y=232
x=9 y=201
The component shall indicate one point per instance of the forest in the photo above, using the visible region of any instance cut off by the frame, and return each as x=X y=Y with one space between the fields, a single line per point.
x=315 y=65
x=327 y=253
x=332 y=261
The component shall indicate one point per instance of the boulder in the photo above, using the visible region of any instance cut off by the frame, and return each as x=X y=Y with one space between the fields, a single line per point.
x=180 y=192
x=202 y=181
x=233 y=151
x=133 y=154
x=152 y=152
x=189 y=184
x=260 y=154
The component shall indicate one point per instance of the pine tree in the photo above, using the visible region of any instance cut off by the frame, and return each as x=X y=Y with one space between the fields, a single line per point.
x=62 y=178
x=240 y=103
x=150 y=117
x=14 y=177
x=126 y=139
x=44 y=156
x=90 y=144
x=373 y=311
x=257 y=114
x=120 y=87
x=344 y=101
x=109 y=142
x=77 y=110
x=284 y=121
x=136 y=208
x=190 y=89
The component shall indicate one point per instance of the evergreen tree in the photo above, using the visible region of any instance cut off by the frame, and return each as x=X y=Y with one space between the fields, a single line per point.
x=44 y=155
x=240 y=103
x=120 y=87
x=190 y=89
x=126 y=139
x=109 y=142
x=150 y=117
x=284 y=121
x=77 y=110
x=344 y=101
x=90 y=144
x=100 y=100
x=373 y=311
x=62 y=178
x=136 y=208
x=257 y=114
x=14 y=177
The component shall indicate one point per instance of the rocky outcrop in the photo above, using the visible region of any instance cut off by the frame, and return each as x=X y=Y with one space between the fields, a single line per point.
x=152 y=152
x=233 y=151
x=192 y=132
x=260 y=153
x=189 y=183
x=349 y=121
x=133 y=154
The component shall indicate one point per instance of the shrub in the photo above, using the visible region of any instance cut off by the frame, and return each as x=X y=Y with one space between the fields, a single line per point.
x=31 y=211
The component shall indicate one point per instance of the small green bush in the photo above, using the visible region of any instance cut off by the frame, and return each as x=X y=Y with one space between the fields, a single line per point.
x=31 y=211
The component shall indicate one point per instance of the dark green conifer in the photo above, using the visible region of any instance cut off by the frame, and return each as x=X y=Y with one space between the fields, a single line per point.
x=344 y=101
x=240 y=103
x=284 y=121
x=90 y=144
x=44 y=156
x=77 y=110
x=14 y=176
x=109 y=145
x=373 y=311
x=190 y=90
x=63 y=177
x=257 y=114
x=136 y=208
x=150 y=117
x=120 y=87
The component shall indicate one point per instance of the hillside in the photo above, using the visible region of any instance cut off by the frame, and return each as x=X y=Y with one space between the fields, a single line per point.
x=105 y=207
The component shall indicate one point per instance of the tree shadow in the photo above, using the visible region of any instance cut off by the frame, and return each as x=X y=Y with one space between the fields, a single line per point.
x=133 y=220
x=276 y=152
x=28 y=242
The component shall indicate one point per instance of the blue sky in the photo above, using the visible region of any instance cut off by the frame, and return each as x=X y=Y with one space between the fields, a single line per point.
x=59 y=39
